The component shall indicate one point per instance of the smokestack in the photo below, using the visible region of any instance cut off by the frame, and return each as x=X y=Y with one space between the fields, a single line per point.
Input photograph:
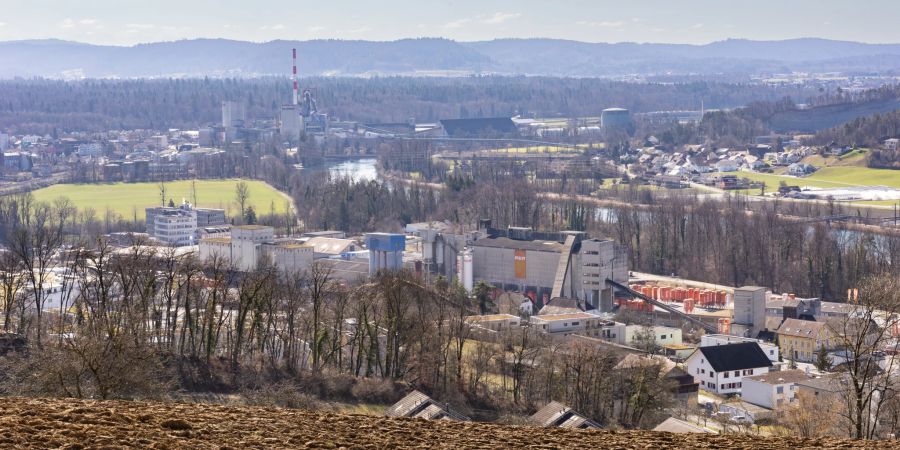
x=296 y=83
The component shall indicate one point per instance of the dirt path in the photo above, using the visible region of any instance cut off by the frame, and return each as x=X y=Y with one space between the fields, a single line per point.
x=49 y=423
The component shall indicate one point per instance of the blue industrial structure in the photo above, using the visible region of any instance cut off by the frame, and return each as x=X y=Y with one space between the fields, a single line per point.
x=385 y=251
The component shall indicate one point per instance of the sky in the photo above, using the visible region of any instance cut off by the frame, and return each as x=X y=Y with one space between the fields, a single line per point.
x=127 y=22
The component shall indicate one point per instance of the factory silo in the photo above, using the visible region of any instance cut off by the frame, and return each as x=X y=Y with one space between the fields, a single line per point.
x=615 y=118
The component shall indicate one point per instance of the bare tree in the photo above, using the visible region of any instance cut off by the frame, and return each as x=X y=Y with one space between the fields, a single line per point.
x=811 y=416
x=864 y=335
x=162 y=193
x=12 y=281
x=35 y=243
x=241 y=194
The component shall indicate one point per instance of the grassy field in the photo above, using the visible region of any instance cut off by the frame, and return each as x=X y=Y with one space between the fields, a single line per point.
x=130 y=199
x=831 y=177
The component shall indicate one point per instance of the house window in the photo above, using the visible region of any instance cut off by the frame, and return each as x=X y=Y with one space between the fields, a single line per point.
x=575 y=323
x=662 y=337
x=737 y=373
x=779 y=390
x=726 y=374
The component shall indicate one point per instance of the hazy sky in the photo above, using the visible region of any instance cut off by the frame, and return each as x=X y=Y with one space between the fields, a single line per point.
x=122 y=22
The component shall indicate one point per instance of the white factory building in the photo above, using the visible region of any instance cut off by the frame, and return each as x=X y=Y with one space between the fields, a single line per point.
x=252 y=245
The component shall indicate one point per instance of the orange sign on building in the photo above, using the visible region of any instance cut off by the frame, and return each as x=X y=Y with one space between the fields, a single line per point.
x=519 y=259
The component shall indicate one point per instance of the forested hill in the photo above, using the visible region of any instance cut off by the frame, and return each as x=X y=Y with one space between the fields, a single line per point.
x=220 y=57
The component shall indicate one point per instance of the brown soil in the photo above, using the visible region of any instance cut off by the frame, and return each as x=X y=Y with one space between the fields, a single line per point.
x=50 y=423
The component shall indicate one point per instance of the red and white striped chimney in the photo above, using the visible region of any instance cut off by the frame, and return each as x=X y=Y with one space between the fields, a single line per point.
x=296 y=83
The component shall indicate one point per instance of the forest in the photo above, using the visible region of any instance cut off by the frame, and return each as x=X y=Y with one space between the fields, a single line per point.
x=49 y=106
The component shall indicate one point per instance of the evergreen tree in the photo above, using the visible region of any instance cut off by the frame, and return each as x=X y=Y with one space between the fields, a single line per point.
x=823 y=361
x=482 y=293
x=250 y=216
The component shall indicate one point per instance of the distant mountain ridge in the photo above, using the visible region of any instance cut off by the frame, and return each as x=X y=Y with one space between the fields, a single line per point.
x=436 y=56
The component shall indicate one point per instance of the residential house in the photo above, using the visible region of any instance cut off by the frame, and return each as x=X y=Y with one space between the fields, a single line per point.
x=799 y=340
x=673 y=425
x=678 y=352
x=555 y=414
x=740 y=408
x=800 y=169
x=684 y=387
x=566 y=324
x=420 y=406
x=827 y=388
x=661 y=335
x=757 y=165
x=721 y=368
x=773 y=390
x=771 y=350
x=727 y=165
x=892 y=144
x=494 y=322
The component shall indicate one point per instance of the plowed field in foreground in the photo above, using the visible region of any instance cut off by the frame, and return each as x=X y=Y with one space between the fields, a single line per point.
x=51 y=423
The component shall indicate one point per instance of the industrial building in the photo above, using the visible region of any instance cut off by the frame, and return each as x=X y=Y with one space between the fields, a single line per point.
x=251 y=246
x=302 y=114
x=291 y=123
x=385 y=252
x=234 y=114
x=541 y=265
x=479 y=127
x=749 y=311
x=549 y=265
x=615 y=118
x=180 y=225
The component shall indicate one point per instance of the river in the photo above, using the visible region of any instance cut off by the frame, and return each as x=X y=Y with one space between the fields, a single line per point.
x=358 y=170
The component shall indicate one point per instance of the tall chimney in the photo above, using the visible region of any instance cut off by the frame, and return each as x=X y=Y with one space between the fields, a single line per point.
x=296 y=83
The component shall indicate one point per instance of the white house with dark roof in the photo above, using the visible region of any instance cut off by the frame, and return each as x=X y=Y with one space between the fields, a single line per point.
x=722 y=368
